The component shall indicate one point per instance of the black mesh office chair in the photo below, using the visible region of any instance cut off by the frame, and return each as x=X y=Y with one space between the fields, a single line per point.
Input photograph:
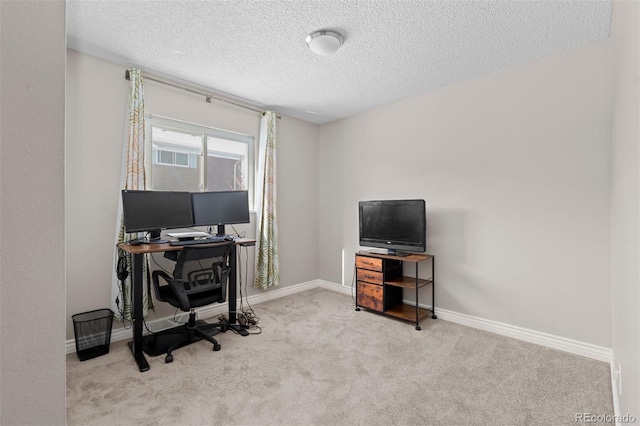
x=199 y=278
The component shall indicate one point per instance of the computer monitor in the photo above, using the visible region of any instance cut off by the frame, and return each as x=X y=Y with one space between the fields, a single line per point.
x=152 y=211
x=220 y=208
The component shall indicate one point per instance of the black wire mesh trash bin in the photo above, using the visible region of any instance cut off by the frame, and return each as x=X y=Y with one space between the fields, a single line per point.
x=93 y=333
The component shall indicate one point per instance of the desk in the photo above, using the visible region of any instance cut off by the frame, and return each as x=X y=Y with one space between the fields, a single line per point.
x=137 y=287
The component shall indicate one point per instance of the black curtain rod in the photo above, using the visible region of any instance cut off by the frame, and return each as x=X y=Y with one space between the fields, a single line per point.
x=208 y=97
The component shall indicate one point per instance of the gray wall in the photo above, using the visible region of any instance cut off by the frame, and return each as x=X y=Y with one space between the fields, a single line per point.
x=514 y=167
x=96 y=109
x=32 y=360
x=625 y=203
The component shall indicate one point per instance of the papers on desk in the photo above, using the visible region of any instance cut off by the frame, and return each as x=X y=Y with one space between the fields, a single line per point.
x=192 y=234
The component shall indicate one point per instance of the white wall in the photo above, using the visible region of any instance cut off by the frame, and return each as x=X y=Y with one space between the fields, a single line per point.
x=514 y=168
x=32 y=353
x=625 y=204
x=96 y=111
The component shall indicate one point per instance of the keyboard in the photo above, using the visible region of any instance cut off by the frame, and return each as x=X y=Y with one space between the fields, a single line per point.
x=195 y=242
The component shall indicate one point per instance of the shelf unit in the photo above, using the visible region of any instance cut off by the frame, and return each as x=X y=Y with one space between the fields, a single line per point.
x=380 y=284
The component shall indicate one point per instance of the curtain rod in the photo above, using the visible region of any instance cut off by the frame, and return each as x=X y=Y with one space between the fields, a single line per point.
x=208 y=97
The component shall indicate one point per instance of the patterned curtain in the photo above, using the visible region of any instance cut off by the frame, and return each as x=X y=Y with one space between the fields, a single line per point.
x=267 y=263
x=133 y=178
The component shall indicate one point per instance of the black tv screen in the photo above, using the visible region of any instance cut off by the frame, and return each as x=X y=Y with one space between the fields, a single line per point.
x=151 y=211
x=393 y=224
x=220 y=208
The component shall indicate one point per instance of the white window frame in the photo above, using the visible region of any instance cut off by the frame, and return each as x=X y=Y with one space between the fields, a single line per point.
x=203 y=132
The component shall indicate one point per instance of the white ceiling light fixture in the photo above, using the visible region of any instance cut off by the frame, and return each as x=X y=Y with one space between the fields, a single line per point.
x=324 y=42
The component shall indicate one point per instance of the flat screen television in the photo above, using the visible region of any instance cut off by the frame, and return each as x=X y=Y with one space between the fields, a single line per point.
x=152 y=211
x=220 y=208
x=396 y=225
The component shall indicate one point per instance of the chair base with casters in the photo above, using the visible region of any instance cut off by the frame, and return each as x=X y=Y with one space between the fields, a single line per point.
x=157 y=343
x=194 y=331
x=199 y=278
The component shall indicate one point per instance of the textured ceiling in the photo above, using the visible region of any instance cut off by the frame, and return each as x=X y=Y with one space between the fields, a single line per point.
x=255 y=50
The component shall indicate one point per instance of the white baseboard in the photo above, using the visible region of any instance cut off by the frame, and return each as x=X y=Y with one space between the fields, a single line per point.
x=561 y=343
x=615 y=385
x=543 y=339
x=327 y=285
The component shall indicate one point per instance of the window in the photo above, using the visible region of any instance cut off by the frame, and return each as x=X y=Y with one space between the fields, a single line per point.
x=187 y=157
x=173 y=158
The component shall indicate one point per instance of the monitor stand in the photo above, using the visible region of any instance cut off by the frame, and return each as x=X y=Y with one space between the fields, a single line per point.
x=153 y=238
x=153 y=241
x=391 y=252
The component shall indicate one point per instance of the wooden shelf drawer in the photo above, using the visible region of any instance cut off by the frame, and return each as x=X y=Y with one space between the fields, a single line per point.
x=370 y=296
x=372 y=277
x=370 y=263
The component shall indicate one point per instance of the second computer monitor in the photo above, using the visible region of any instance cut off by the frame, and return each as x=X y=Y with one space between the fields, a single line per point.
x=220 y=208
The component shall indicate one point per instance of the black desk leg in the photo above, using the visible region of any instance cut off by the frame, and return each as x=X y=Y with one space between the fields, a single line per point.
x=232 y=293
x=232 y=285
x=137 y=316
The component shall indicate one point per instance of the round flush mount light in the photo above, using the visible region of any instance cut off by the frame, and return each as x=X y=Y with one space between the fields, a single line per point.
x=324 y=42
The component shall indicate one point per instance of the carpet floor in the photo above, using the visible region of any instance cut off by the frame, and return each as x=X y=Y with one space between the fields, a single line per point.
x=319 y=362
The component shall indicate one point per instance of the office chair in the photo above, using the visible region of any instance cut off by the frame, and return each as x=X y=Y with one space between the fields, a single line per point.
x=199 y=278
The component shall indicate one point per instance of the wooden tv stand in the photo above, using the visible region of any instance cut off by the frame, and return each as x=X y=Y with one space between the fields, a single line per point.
x=379 y=284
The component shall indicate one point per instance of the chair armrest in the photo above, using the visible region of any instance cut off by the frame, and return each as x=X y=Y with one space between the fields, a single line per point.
x=222 y=272
x=176 y=286
x=156 y=282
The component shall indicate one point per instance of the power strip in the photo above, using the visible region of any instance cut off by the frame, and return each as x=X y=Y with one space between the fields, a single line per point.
x=244 y=319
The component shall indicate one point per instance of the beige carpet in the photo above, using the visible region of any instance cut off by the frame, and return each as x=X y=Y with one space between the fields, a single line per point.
x=319 y=362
